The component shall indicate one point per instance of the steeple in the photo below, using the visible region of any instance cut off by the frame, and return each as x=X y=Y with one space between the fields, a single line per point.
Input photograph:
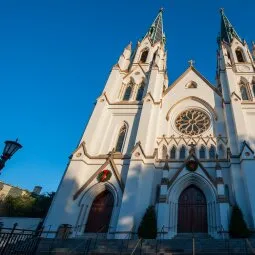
x=155 y=32
x=227 y=30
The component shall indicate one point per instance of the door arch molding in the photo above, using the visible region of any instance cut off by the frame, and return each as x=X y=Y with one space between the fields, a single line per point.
x=87 y=199
x=210 y=193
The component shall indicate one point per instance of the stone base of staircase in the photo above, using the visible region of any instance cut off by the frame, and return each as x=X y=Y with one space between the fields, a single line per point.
x=180 y=245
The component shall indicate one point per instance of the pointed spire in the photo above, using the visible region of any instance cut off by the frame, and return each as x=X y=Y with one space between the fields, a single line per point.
x=227 y=30
x=155 y=32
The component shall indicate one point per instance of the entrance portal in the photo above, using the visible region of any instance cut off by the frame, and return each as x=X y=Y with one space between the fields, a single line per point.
x=192 y=211
x=100 y=213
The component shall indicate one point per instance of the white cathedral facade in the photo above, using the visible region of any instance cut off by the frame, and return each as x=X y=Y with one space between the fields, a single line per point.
x=186 y=148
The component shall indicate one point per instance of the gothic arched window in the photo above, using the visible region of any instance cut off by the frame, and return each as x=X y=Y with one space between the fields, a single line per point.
x=244 y=93
x=173 y=153
x=121 y=138
x=212 y=152
x=127 y=93
x=139 y=94
x=182 y=152
x=144 y=56
x=164 y=152
x=221 y=151
x=202 y=152
x=239 y=56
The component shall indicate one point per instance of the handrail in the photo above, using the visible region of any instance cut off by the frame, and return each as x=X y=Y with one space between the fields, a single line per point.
x=249 y=245
x=136 y=246
x=193 y=245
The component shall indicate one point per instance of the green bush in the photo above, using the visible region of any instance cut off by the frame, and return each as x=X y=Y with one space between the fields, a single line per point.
x=30 y=205
x=148 y=225
x=238 y=227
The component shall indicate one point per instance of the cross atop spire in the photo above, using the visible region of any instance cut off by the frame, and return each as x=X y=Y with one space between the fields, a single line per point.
x=227 y=30
x=155 y=32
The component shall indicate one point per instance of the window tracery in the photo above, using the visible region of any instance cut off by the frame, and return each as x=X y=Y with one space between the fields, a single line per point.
x=192 y=122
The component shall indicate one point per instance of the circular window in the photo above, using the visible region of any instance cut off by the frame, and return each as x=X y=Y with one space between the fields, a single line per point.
x=192 y=122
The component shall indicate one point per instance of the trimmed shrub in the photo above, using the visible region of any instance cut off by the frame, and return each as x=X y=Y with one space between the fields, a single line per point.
x=238 y=227
x=148 y=225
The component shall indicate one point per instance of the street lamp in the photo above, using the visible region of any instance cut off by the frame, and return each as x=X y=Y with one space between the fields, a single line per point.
x=10 y=148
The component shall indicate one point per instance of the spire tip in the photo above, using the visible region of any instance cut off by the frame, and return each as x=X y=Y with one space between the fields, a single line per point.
x=161 y=9
x=221 y=10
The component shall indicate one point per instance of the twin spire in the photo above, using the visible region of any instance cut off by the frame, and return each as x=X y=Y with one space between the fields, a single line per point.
x=227 y=30
x=156 y=33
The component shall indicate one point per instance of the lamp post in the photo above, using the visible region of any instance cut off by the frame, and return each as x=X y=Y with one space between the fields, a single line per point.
x=10 y=148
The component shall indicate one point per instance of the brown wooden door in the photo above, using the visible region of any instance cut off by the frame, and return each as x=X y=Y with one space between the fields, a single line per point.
x=100 y=213
x=192 y=211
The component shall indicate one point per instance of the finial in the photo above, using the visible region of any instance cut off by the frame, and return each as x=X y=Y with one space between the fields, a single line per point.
x=191 y=62
x=253 y=44
x=221 y=10
x=161 y=9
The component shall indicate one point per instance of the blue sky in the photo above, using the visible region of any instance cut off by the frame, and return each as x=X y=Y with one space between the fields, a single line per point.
x=55 y=57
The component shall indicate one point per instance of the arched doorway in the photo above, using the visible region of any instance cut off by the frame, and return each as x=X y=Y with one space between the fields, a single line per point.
x=192 y=211
x=100 y=213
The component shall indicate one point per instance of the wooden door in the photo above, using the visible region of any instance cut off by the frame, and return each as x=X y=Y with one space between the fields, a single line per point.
x=192 y=211
x=100 y=213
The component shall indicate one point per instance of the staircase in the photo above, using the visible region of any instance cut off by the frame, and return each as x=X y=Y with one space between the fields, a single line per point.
x=180 y=245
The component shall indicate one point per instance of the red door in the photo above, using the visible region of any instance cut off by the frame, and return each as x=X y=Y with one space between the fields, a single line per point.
x=192 y=211
x=100 y=213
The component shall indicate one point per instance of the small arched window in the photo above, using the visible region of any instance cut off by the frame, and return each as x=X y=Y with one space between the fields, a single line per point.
x=202 y=152
x=182 y=152
x=164 y=152
x=173 y=153
x=144 y=56
x=212 y=152
x=239 y=56
x=191 y=85
x=221 y=151
x=139 y=94
x=244 y=93
x=127 y=93
x=121 y=138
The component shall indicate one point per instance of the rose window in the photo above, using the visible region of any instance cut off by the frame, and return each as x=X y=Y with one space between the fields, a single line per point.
x=192 y=122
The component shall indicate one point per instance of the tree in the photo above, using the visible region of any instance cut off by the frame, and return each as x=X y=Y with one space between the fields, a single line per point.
x=31 y=205
x=148 y=225
x=238 y=227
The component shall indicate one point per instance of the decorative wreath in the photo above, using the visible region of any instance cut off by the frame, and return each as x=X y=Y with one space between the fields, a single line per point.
x=192 y=165
x=104 y=176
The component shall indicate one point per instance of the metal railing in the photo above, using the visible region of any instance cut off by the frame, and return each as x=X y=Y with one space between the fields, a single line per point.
x=137 y=244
